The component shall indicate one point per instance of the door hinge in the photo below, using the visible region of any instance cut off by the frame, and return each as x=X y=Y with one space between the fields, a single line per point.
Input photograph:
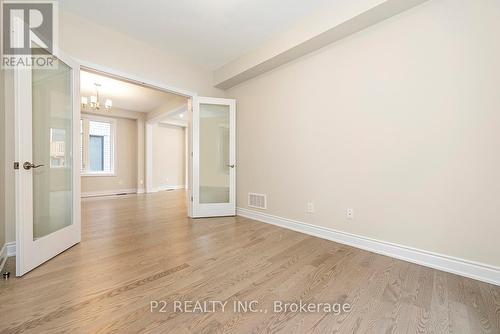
x=16 y=165
x=191 y=198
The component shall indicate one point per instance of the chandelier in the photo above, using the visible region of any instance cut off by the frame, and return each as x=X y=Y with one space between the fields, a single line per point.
x=95 y=103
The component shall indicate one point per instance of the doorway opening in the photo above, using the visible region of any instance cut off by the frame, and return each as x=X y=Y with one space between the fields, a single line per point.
x=134 y=138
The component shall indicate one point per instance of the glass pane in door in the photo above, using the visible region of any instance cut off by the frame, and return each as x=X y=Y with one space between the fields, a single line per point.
x=52 y=148
x=214 y=153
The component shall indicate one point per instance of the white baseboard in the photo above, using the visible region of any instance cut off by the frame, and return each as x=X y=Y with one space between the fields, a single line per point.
x=141 y=191
x=167 y=187
x=3 y=257
x=8 y=250
x=11 y=248
x=108 y=192
x=474 y=270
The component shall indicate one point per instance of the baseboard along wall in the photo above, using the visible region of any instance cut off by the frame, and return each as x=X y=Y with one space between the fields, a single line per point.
x=109 y=192
x=8 y=250
x=474 y=270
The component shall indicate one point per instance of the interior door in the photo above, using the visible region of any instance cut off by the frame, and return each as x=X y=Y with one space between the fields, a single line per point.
x=213 y=127
x=47 y=152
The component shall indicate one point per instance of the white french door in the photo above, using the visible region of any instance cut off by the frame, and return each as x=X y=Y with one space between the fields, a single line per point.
x=48 y=159
x=213 y=126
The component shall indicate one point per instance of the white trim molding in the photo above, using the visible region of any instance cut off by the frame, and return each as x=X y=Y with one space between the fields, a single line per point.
x=3 y=257
x=11 y=248
x=474 y=270
x=8 y=250
x=149 y=157
x=108 y=192
x=130 y=191
x=167 y=187
x=128 y=77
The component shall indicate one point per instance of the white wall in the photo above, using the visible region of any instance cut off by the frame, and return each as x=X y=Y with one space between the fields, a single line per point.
x=399 y=122
x=168 y=157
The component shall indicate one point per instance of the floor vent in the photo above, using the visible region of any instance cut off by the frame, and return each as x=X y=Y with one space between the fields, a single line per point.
x=258 y=201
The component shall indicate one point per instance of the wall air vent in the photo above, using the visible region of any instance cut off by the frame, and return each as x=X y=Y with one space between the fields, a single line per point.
x=258 y=201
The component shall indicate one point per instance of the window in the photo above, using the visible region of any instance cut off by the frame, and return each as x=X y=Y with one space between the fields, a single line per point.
x=96 y=153
x=97 y=145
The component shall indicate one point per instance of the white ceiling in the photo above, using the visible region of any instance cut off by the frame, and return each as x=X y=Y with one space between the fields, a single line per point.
x=124 y=95
x=177 y=117
x=208 y=32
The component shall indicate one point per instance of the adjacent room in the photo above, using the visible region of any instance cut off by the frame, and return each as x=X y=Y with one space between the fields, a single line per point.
x=320 y=166
x=114 y=148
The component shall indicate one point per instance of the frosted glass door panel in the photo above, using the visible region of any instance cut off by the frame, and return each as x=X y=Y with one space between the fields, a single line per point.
x=214 y=153
x=52 y=148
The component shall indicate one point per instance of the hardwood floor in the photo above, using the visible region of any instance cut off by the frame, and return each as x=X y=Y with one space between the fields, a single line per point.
x=138 y=249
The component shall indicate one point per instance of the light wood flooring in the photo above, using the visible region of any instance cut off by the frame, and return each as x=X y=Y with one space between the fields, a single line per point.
x=138 y=249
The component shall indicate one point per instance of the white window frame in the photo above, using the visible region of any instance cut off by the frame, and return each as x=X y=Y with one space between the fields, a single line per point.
x=113 y=121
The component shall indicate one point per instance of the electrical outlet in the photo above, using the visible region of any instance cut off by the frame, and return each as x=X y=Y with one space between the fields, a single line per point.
x=349 y=214
x=310 y=207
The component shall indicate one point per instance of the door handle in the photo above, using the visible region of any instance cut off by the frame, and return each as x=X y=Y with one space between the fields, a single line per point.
x=28 y=165
x=230 y=166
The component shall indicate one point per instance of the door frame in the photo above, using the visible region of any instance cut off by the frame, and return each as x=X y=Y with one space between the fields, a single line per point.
x=24 y=185
x=162 y=86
